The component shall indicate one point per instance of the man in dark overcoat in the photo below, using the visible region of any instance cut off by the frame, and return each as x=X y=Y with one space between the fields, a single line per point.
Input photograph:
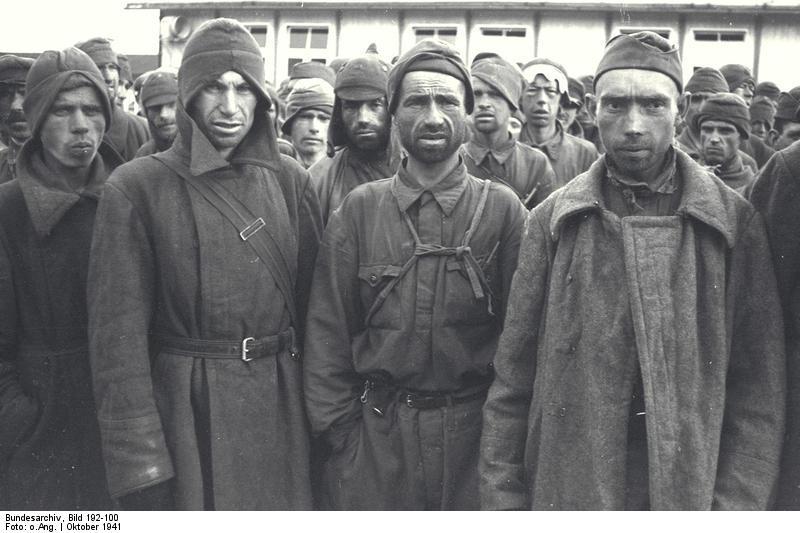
x=199 y=275
x=13 y=125
x=49 y=440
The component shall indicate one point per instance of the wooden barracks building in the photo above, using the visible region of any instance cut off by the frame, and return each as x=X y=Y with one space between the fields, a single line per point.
x=764 y=36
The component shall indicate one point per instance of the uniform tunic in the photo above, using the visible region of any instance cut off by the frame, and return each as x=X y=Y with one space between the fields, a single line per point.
x=526 y=170
x=49 y=440
x=165 y=262
x=568 y=155
x=430 y=334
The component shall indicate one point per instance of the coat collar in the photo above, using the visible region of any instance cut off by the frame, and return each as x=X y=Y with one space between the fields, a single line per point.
x=47 y=196
x=447 y=192
x=705 y=197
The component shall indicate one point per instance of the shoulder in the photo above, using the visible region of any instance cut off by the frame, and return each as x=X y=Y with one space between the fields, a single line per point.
x=529 y=153
x=141 y=177
x=499 y=193
x=582 y=144
x=321 y=168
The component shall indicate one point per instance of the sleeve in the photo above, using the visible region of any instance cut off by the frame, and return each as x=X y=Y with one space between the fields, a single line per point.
x=332 y=386
x=18 y=411
x=755 y=395
x=121 y=286
x=309 y=235
x=503 y=481
x=776 y=195
x=509 y=252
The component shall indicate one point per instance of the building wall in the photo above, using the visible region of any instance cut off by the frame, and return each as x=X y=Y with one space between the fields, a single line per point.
x=361 y=28
x=780 y=48
x=574 y=39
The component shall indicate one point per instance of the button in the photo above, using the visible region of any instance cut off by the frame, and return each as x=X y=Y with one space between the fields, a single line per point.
x=562 y=412
x=572 y=349
x=373 y=278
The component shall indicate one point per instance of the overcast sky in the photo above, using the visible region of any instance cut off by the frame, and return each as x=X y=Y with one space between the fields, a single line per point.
x=37 y=25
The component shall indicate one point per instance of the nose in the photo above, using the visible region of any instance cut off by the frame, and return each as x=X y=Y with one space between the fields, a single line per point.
x=634 y=121
x=715 y=138
x=228 y=101
x=79 y=123
x=16 y=102
x=364 y=115
x=165 y=112
x=482 y=101
x=434 y=117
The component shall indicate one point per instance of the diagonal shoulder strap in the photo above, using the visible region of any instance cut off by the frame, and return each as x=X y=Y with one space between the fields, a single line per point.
x=248 y=226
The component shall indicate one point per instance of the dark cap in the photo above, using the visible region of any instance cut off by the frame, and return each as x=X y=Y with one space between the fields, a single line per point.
x=362 y=78
x=125 y=73
x=14 y=68
x=737 y=75
x=768 y=89
x=762 y=109
x=430 y=55
x=707 y=80
x=99 y=49
x=499 y=74
x=159 y=88
x=789 y=105
x=643 y=50
x=312 y=69
x=726 y=107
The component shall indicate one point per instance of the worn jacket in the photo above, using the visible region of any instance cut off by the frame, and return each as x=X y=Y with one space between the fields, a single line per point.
x=8 y=162
x=165 y=263
x=757 y=149
x=568 y=155
x=693 y=298
x=49 y=441
x=127 y=133
x=526 y=170
x=776 y=194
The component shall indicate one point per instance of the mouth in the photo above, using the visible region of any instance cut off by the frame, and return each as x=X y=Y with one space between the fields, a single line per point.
x=227 y=127
x=311 y=140
x=479 y=116
x=81 y=148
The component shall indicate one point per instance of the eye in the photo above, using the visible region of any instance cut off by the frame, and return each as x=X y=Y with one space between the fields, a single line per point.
x=60 y=111
x=551 y=92
x=244 y=89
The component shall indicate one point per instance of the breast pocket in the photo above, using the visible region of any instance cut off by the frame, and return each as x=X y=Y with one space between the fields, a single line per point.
x=462 y=305
x=378 y=285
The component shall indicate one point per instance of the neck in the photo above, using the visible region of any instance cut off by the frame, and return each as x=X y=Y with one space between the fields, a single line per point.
x=541 y=134
x=376 y=154
x=429 y=174
x=309 y=159
x=646 y=175
x=75 y=177
x=493 y=139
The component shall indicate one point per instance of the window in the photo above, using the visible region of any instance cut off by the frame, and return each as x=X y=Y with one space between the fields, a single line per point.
x=663 y=32
x=447 y=34
x=308 y=43
x=720 y=35
x=504 y=32
x=259 y=33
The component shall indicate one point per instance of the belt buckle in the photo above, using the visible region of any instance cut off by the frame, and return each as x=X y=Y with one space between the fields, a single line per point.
x=246 y=350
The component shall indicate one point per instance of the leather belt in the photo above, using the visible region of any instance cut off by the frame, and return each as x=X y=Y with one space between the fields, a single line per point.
x=434 y=401
x=245 y=349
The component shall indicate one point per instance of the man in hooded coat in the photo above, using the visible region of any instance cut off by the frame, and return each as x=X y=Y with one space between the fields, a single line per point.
x=49 y=440
x=195 y=315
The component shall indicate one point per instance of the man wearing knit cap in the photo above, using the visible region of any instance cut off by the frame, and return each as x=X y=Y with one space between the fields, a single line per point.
x=762 y=117
x=159 y=98
x=724 y=121
x=128 y=132
x=585 y=115
x=199 y=276
x=308 y=114
x=769 y=90
x=492 y=153
x=359 y=134
x=775 y=195
x=786 y=128
x=13 y=125
x=304 y=71
x=546 y=88
x=50 y=452
x=569 y=111
x=741 y=82
x=641 y=365
x=407 y=303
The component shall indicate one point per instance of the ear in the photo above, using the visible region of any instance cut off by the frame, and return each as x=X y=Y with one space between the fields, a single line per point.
x=590 y=102
x=683 y=104
x=772 y=137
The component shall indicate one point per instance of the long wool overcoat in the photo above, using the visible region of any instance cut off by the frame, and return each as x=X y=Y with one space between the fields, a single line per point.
x=49 y=440
x=165 y=262
x=693 y=297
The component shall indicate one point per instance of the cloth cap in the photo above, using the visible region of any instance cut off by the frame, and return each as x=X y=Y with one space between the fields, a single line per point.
x=576 y=92
x=789 y=105
x=48 y=74
x=768 y=89
x=312 y=69
x=216 y=47
x=762 y=109
x=337 y=63
x=727 y=107
x=552 y=71
x=429 y=55
x=588 y=84
x=159 y=88
x=125 y=73
x=499 y=74
x=643 y=50
x=737 y=75
x=307 y=93
x=362 y=78
x=14 y=68
x=707 y=80
x=99 y=49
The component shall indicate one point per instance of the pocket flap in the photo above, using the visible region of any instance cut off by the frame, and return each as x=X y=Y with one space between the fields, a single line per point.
x=373 y=274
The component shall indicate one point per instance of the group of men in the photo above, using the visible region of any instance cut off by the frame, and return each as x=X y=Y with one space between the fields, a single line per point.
x=405 y=302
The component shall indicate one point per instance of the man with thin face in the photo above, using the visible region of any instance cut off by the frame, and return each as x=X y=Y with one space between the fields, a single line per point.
x=49 y=440
x=201 y=259
x=545 y=91
x=642 y=361
x=128 y=132
x=786 y=128
x=14 y=126
x=407 y=304
x=762 y=117
x=491 y=153
x=360 y=146
x=742 y=83
x=159 y=99
x=724 y=121
x=308 y=114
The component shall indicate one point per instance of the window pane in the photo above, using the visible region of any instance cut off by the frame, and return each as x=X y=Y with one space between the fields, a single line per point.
x=259 y=33
x=732 y=36
x=297 y=37
x=516 y=33
x=492 y=32
x=320 y=60
x=706 y=36
x=424 y=32
x=292 y=62
x=319 y=38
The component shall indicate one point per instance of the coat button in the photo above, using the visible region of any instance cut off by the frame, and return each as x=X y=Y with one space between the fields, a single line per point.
x=562 y=412
x=572 y=348
x=373 y=278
